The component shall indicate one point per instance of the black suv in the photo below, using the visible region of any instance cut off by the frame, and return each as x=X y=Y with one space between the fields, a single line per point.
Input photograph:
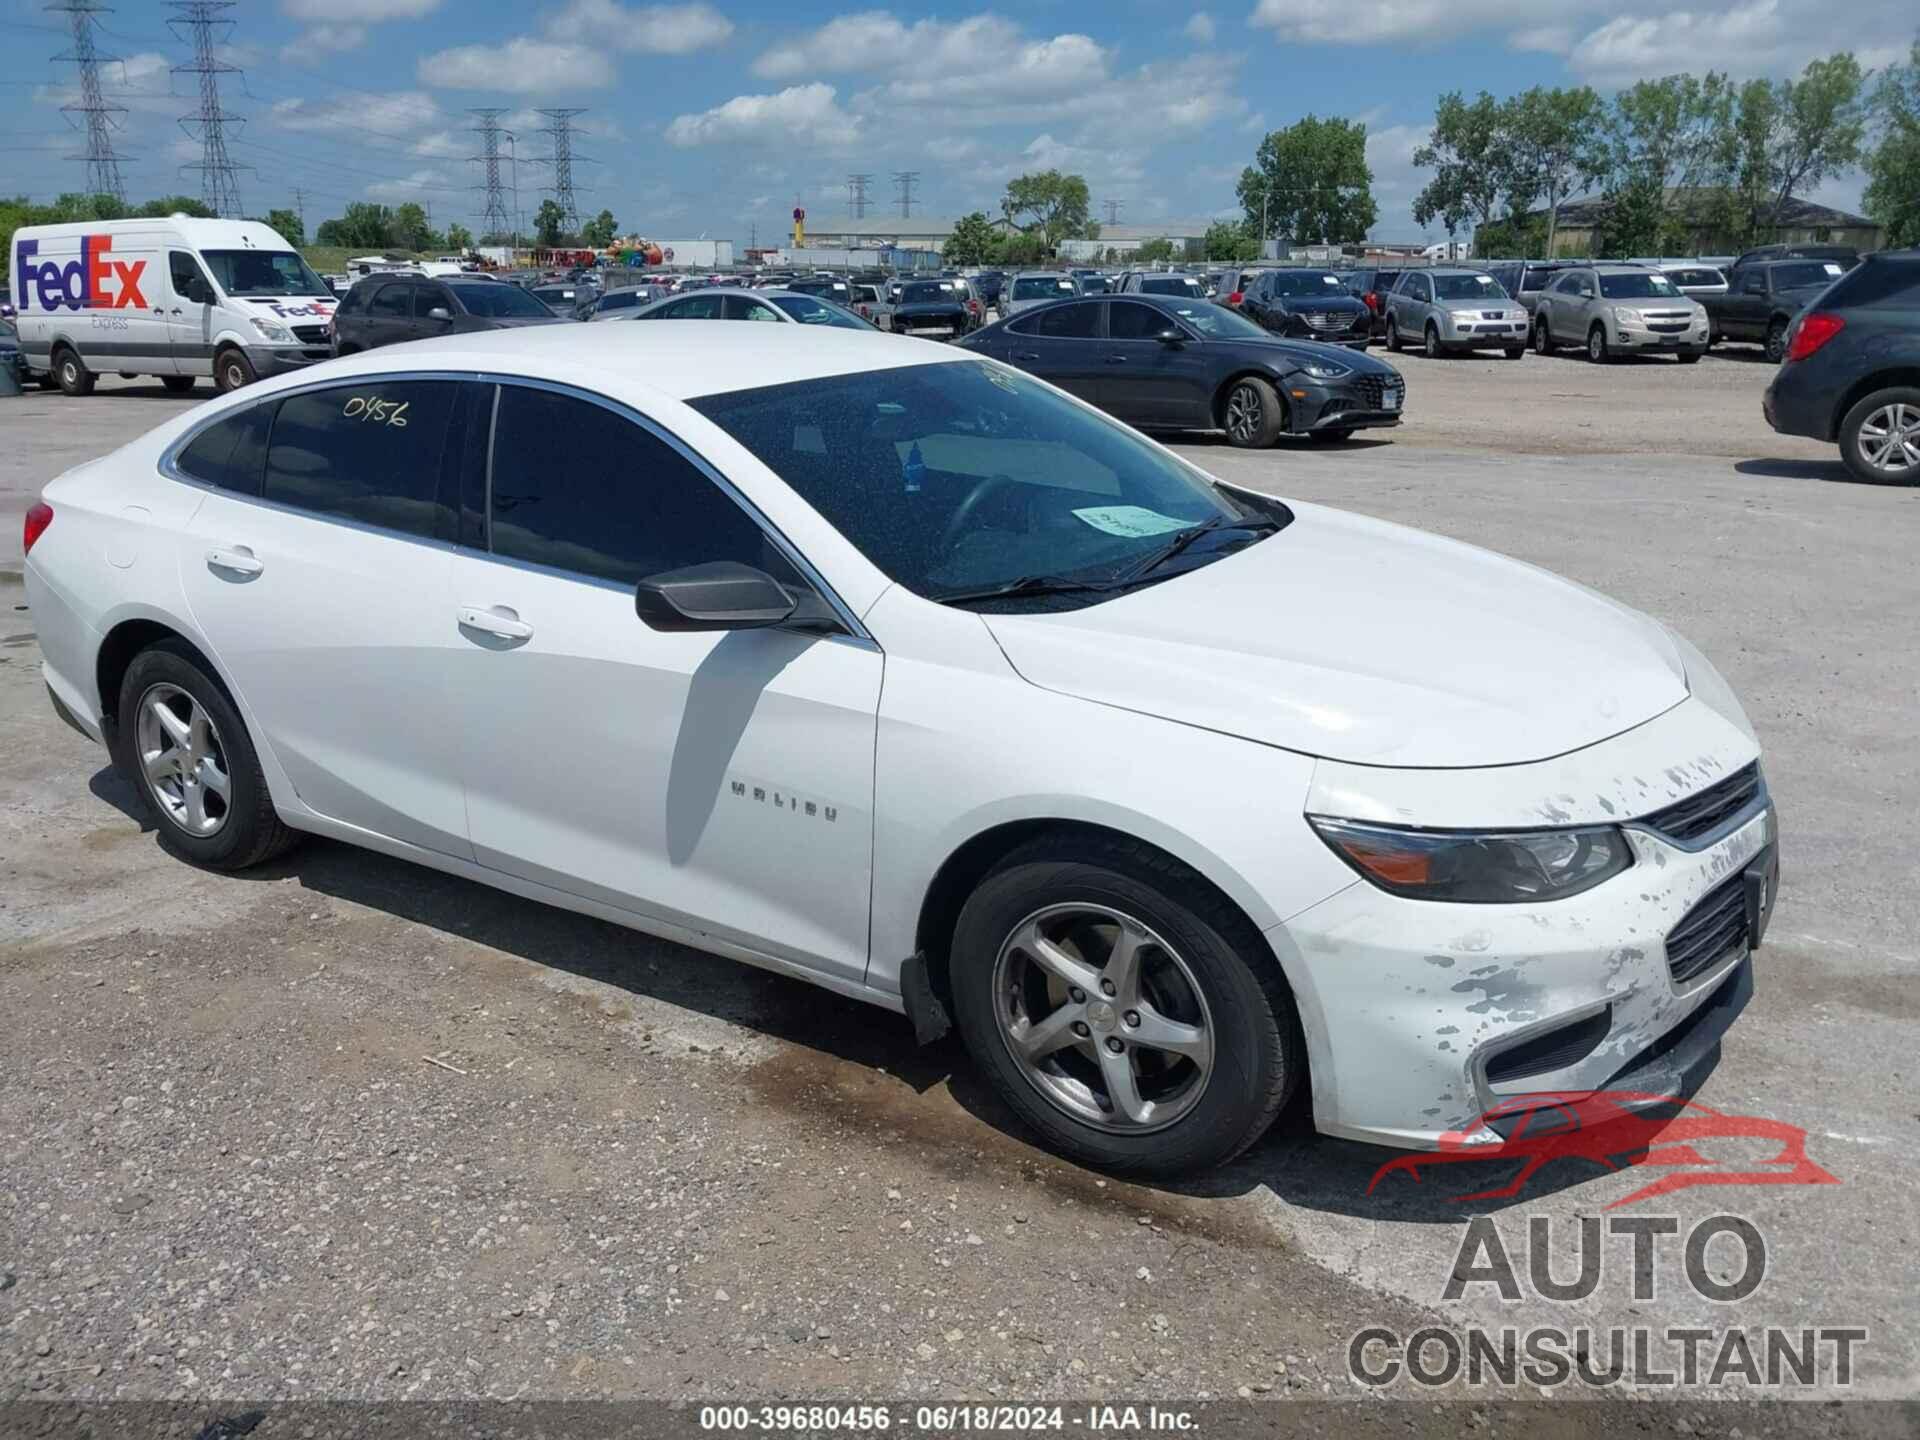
x=1370 y=286
x=387 y=309
x=1307 y=304
x=1852 y=370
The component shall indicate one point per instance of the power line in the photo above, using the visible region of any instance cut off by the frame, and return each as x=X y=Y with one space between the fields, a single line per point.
x=906 y=180
x=103 y=165
x=219 y=187
x=857 y=195
x=561 y=129
x=495 y=222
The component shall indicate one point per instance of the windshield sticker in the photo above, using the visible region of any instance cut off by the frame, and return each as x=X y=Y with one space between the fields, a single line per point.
x=1002 y=377
x=381 y=412
x=1131 y=521
x=1833 y=269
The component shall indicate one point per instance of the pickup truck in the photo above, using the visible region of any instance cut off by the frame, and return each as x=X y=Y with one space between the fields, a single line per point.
x=870 y=302
x=1763 y=298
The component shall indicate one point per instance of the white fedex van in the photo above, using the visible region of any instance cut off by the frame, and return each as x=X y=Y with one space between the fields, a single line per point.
x=175 y=297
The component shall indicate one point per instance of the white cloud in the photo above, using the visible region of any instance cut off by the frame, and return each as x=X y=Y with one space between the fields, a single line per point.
x=1200 y=28
x=406 y=116
x=410 y=188
x=797 y=116
x=1750 y=37
x=521 y=66
x=1395 y=179
x=1548 y=39
x=356 y=12
x=143 y=83
x=878 y=40
x=642 y=29
x=1359 y=22
x=327 y=39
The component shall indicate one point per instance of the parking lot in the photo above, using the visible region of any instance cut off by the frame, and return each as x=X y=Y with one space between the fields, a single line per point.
x=348 y=1127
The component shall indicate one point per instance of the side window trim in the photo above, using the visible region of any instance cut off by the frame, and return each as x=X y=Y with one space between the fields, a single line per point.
x=686 y=452
x=169 y=462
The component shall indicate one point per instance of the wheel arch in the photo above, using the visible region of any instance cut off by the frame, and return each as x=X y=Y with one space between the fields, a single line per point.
x=123 y=641
x=1251 y=372
x=1908 y=375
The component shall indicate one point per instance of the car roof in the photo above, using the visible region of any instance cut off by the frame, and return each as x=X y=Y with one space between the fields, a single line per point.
x=1456 y=270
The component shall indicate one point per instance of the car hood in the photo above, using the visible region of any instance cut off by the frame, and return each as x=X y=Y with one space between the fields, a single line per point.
x=1356 y=640
x=1281 y=351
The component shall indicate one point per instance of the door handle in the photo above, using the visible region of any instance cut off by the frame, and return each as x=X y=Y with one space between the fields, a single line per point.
x=175 y=311
x=1116 y=359
x=498 y=621
x=236 y=560
x=1026 y=354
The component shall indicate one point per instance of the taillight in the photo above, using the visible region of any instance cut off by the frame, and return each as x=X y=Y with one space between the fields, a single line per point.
x=974 y=306
x=39 y=517
x=1811 y=331
x=1236 y=297
x=1372 y=300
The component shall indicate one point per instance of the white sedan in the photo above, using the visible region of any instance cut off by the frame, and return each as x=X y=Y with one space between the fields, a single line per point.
x=877 y=663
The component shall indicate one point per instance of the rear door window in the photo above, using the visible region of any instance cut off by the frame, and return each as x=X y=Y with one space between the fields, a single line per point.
x=1136 y=322
x=392 y=301
x=1070 y=322
x=1878 y=282
x=231 y=453
x=370 y=453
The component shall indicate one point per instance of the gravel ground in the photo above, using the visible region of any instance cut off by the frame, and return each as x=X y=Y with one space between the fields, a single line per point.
x=346 y=1128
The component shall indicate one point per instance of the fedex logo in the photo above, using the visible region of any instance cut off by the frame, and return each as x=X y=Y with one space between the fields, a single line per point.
x=95 y=281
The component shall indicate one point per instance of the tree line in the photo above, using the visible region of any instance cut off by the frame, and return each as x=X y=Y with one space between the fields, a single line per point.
x=1674 y=162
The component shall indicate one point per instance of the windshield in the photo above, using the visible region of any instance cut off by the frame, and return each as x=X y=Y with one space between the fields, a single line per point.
x=1043 y=287
x=1216 y=322
x=967 y=476
x=820 y=287
x=1812 y=272
x=809 y=311
x=1095 y=284
x=554 y=297
x=1306 y=282
x=1467 y=287
x=1172 y=285
x=1644 y=286
x=927 y=292
x=493 y=298
x=263 y=272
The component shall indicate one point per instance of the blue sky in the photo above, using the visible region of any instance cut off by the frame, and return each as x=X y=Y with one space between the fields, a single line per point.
x=713 y=117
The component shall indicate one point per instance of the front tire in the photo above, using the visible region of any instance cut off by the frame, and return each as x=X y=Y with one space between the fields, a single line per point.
x=1254 y=414
x=181 y=743
x=231 y=370
x=1880 y=437
x=1597 y=350
x=1182 y=1044
x=70 y=373
x=1542 y=336
x=1432 y=343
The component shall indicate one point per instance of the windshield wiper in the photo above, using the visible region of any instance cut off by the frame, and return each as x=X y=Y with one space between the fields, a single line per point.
x=1180 y=543
x=1024 y=586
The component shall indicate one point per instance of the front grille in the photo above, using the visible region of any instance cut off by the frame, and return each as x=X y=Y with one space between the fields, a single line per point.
x=1706 y=810
x=310 y=334
x=1712 y=930
x=1665 y=327
x=1552 y=1051
x=1373 y=390
x=1329 y=320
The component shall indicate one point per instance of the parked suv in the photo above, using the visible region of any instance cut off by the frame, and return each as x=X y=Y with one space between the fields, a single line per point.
x=1307 y=304
x=1371 y=287
x=1524 y=280
x=1693 y=279
x=1850 y=366
x=1147 y=282
x=387 y=309
x=1619 y=309
x=1455 y=310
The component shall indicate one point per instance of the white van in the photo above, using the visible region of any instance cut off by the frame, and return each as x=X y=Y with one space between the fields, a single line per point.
x=177 y=297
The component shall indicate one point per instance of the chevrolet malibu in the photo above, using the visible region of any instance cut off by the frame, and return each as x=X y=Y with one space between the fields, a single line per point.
x=888 y=666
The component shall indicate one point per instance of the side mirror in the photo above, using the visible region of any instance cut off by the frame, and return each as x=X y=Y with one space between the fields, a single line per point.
x=1170 y=336
x=720 y=595
x=439 y=312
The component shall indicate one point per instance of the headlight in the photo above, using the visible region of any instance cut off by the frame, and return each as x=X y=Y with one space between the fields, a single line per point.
x=1325 y=369
x=1625 y=316
x=272 y=331
x=1478 y=868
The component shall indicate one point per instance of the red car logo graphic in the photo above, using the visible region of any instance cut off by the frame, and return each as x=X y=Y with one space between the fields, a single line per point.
x=1617 y=1129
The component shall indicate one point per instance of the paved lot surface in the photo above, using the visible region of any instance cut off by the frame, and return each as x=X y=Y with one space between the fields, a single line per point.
x=226 y=1167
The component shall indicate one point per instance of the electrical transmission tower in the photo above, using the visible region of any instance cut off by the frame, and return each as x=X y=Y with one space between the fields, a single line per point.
x=906 y=180
x=1113 y=211
x=103 y=165
x=561 y=129
x=495 y=222
x=857 y=195
x=219 y=187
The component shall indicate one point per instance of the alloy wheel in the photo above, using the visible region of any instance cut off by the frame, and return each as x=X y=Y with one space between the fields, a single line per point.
x=1243 y=413
x=1889 y=439
x=183 y=760
x=1103 y=1018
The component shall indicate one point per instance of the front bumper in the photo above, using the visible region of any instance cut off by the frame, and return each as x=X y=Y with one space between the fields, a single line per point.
x=1485 y=335
x=1638 y=338
x=1357 y=334
x=1421 y=1017
x=1350 y=404
x=283 y=359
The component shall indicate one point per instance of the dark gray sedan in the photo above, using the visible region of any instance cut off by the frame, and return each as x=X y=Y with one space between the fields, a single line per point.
x=1176 y=363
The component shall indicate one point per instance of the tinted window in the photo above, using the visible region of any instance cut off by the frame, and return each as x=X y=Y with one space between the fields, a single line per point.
x=232 y=452
x=809 y=311
x=1136 y=322
x=1875 y=282
x=1070 y=322
x=694 y=307
x=579 y=488
x=741 y=308
x=1295 y=283
x=430 y=297
x=264 y=272
x=1468 y=287
x=1808 y=272
x=1642 y=286
x=184 y=271
x=391 y=301
x=1533 y=280
x=491 y=298
x=1172 y=285
x=368 y=452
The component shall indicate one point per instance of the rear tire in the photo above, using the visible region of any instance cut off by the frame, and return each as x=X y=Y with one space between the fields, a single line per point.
x=70 y=372
x=1393 y=336
x=177 y=384
x=231 y=370
x=1776 y=342
x=1201 y=967
x=1879 y=415
x=178 y=768
x=1254 y=414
